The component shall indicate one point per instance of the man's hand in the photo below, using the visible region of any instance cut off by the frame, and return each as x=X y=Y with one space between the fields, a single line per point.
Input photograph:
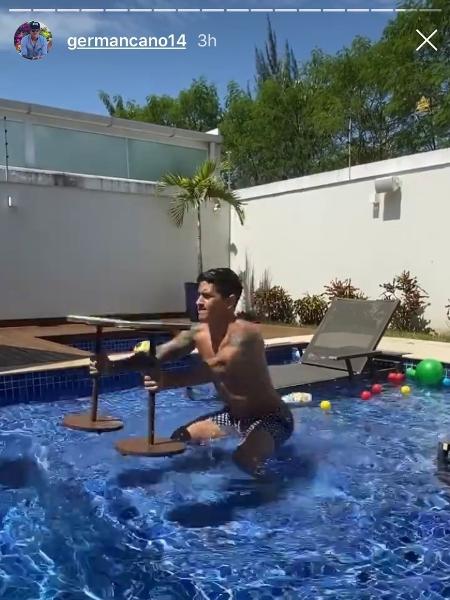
x=100 y=364
x=152 y=382
x=152 y=375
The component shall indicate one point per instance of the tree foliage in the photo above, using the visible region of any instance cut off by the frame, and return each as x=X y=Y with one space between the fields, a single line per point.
x=270 y=65
x=191 y=193
x=196 y=108
x=370 y=101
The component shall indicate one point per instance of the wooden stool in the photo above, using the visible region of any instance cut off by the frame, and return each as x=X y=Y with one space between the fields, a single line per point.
x=92 y=421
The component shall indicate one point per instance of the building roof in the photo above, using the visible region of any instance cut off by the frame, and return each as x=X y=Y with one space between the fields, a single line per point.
x=133 y=127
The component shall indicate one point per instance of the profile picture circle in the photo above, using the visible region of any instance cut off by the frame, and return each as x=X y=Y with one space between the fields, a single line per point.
x=33 y=40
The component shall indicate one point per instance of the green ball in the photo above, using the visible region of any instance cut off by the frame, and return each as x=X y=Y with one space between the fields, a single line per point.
x=430 y=372
x=411 y=372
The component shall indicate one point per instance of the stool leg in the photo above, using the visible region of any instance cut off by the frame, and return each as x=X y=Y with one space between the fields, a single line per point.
x=151 y=403
x=151 y=417
x=96 y=377
x=92 y=421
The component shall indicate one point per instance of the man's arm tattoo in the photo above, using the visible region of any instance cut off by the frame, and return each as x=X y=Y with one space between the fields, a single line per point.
x=179 y=346
x=239 y=339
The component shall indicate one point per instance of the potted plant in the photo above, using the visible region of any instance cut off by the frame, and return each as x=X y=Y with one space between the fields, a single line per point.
x=190 y=193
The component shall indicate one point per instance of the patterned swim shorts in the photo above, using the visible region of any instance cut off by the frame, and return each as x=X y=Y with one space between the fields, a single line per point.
x=279 y=424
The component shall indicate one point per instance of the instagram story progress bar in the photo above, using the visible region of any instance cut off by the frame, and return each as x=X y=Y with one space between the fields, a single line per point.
x=223 y=10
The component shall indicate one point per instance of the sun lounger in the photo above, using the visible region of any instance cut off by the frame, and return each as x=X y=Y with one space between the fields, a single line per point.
x=346 y=339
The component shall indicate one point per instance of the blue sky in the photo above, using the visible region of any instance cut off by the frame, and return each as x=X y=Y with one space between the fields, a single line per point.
x=72 y=79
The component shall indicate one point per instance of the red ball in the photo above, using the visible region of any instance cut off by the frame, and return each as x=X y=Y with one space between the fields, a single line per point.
x=392 y=377
x=365 y=395
x=377 y=388
x=400 y=378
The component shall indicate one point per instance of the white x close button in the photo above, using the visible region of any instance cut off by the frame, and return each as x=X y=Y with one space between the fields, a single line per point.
x=426 y=40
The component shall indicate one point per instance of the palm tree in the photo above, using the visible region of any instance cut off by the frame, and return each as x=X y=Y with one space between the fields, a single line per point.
x=192 y=192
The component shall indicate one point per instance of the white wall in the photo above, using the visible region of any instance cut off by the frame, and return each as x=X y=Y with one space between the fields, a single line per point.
x=310 y=230
x=89 y=245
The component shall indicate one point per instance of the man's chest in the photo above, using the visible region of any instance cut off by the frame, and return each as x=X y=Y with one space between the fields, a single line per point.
x=223 y=359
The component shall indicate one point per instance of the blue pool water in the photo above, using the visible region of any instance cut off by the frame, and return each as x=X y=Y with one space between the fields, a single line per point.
x=355 y=510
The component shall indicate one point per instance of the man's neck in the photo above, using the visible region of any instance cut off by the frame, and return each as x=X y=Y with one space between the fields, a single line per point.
x=218 y=331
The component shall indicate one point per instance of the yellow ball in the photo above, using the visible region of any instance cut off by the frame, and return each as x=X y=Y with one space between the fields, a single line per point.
x=405 y=390
x=325 y=405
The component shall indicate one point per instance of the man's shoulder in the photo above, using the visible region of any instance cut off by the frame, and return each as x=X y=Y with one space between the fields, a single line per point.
x=195 y=332
x=197 y=328
x=247 y=330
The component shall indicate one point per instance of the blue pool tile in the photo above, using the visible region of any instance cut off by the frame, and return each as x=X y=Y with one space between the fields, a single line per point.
x=119 y=344
x=76 y=381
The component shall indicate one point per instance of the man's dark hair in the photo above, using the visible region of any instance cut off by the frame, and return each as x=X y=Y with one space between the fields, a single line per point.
x=225 y=281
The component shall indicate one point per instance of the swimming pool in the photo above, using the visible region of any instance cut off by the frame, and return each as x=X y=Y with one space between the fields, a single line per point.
x=356 y=510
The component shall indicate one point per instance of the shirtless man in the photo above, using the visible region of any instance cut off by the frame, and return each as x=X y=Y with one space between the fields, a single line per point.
x=234 y=359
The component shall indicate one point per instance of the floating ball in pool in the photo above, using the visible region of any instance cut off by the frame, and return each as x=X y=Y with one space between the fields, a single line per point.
x=446 y=381
x=377 y=388
x=411 y=372
x=430 y=372
x=405 y=390
x=365 y=395
x=396 y=378
x=325 y=405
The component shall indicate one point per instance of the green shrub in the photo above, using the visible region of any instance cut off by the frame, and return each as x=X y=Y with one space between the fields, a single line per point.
x=409 y=315
x=248 y=315
x=343 y=289
x=310 y=309
x=265 y=283
x=274 y=304
x=247 y=276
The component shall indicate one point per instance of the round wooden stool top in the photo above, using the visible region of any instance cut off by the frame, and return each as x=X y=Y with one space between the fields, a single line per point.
x=84 y=422
x=140 y=446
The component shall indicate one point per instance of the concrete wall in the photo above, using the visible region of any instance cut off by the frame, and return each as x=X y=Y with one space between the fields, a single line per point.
x=90 y=245
x=310 y=230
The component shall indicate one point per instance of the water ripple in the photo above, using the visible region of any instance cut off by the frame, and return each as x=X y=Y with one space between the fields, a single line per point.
x=355 y=509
